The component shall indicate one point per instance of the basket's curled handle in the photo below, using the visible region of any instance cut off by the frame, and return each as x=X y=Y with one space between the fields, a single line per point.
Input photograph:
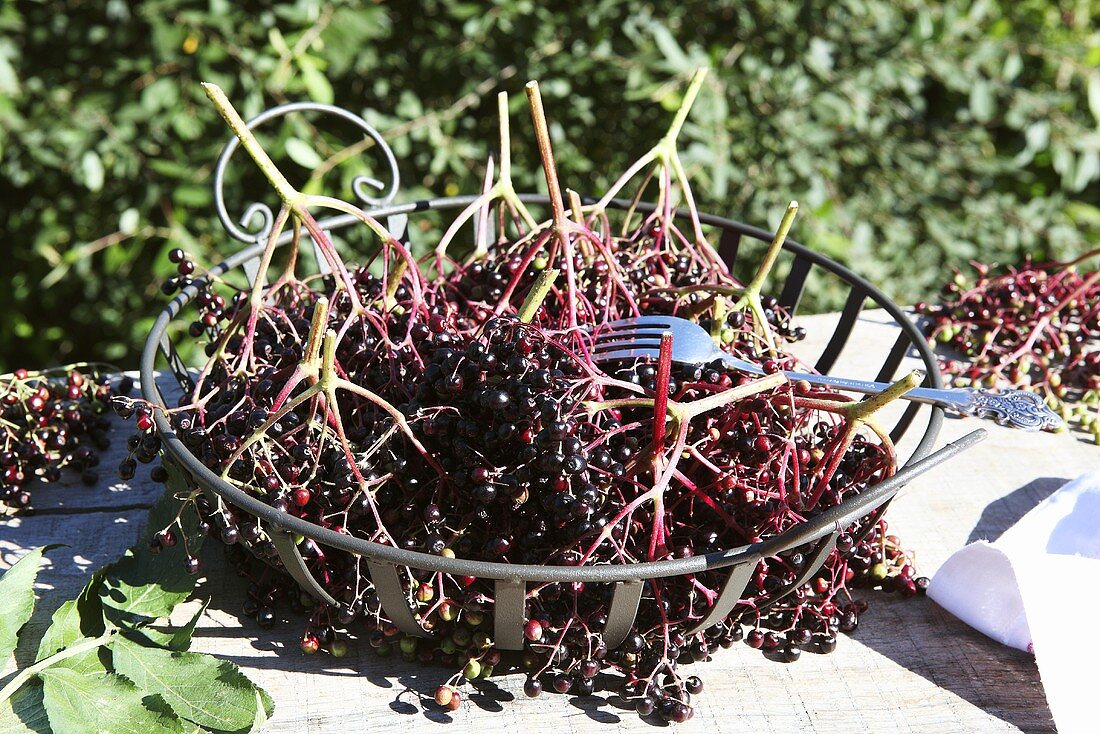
x=256 y=222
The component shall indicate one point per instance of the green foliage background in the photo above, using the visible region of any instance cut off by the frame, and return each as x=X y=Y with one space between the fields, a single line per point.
x=916 y=135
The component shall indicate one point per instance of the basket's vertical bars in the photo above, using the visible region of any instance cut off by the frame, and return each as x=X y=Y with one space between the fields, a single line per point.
x=251 y=269
x=509 y=611
x=795 y=284
x=848 y=316
x=893 y=360
x=620 y=617
x=176 y=364
x=728 y=244
x=731 y=592
x=391 y=594
x=821 y=554
x=398 y=225
x=295 y=565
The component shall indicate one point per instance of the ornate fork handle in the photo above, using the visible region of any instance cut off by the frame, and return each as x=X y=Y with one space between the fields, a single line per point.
x=1016 y=408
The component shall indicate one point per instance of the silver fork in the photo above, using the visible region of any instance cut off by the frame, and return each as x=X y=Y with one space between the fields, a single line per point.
x=691 y=344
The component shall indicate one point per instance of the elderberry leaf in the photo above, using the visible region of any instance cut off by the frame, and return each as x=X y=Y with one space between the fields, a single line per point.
x=17 y=598
x=108 y=702
x=200 y=688
x=24 y=713
x=174 y=638
x=157 y=704
x=74 y=620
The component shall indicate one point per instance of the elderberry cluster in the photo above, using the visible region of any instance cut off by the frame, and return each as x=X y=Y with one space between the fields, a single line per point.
x=1035 y=327
x=51 y=422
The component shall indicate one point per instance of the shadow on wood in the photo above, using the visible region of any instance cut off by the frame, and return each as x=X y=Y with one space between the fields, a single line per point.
x=999 y=515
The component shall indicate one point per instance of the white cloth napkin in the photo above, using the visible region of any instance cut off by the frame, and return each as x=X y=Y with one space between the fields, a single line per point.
x=1037 y=588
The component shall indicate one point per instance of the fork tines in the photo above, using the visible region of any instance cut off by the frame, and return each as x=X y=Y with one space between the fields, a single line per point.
x=630 y=338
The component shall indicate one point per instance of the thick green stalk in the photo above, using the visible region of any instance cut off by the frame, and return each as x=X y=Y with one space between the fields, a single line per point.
x=240 y=128
x=864 y=409
x=685 y=107
x=537 y=295
x=774 y=249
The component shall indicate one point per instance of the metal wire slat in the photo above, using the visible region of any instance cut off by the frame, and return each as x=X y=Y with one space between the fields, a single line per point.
x=624 y=608
x=295 y=565
x=906 y=419
x=728 y=244
x=893 y=360
x=176 y=364
x=795 y=284
x=391 y=595
x=821 y=554
x=509 y=613
x=731 y=592
x=848 y=316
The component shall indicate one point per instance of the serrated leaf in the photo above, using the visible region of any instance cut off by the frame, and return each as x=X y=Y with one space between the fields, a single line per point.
x=302 y=153
x=200 y=688
x=155 y=703
x=264 y=707
x=178 y=638
x=17 y=599
x=104 y=703
x=24 y=713
x=74 y=620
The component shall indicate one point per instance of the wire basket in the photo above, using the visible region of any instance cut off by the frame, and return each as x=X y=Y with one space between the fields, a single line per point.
x=815 y=538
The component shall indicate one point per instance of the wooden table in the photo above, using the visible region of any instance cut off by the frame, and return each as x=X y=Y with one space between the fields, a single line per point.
x=909 y=667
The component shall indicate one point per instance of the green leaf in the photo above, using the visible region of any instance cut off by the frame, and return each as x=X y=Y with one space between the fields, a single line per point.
x=264 y=708
x=17 y=599
x=92 y=168
x=674 y=55
x=74 y=620
x=24 y=713
x=178 y=638
x=317 y=85
x=129 y=220
x=9 y=80
x=107 y=703
x=212 y=693
x=302 y=153
x=982 y=101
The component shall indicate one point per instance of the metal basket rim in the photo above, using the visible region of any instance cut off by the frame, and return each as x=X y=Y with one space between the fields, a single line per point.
x=832 y=520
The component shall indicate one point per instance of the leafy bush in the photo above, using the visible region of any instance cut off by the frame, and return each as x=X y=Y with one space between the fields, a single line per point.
x=915 y=135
